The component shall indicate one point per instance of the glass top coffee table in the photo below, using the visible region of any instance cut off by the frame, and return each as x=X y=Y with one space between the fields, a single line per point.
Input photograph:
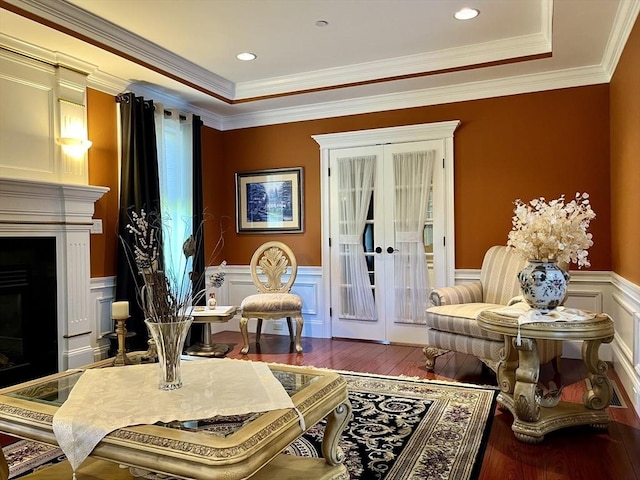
x=225 y=447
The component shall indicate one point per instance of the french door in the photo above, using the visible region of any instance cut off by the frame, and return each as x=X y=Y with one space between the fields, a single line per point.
x=383 y=222
x=387 y=223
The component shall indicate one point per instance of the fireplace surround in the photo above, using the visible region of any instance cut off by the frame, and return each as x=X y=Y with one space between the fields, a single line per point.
x=63 y=212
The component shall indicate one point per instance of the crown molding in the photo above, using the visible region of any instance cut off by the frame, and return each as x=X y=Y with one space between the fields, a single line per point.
x=209 y=118
x=421 y=98
x=107 y=34
x=443 y=60
x=379 y=103
x=596 y=74
x=623 y=24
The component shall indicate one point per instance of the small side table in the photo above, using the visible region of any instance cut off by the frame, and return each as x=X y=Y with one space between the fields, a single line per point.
x=519 y=368
x=207 y=316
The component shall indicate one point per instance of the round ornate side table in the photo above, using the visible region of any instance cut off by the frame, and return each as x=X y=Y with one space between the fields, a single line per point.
x=519 y=368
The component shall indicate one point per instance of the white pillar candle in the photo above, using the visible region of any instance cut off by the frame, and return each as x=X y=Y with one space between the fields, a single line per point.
x=120 y=310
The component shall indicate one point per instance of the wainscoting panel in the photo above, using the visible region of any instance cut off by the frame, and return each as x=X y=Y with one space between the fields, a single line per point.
x=587 y=291
x=624 y=307
x=103 y=291
x=238 y=285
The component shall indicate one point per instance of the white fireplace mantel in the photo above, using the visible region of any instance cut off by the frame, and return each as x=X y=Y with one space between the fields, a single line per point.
x=31 y=208
x=28 y=201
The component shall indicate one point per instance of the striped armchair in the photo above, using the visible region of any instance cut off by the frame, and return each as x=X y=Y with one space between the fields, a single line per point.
x=451 y=321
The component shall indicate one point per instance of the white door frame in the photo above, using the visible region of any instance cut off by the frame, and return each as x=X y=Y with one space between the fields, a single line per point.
x=409 y=133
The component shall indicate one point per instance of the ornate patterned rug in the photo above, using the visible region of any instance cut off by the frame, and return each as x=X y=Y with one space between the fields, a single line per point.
x=402 y=429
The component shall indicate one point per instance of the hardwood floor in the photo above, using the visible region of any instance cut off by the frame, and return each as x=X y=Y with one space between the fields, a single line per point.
x=572 y=453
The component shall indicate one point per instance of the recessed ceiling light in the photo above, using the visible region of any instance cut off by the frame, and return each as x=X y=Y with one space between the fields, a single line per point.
x=322 y=23
x=466 y=14
x=246 y=56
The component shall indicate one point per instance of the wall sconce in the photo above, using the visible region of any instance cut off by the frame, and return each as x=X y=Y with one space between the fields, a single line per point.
x=75 y=147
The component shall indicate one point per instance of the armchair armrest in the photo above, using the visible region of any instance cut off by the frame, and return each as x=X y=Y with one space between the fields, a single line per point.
x=466 y=293
x=515 y=300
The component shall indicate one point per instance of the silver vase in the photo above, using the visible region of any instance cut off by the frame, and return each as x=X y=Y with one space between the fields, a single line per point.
x=169 y=338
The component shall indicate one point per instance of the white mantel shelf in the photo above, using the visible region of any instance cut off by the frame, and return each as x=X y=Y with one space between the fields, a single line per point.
x=33 y=202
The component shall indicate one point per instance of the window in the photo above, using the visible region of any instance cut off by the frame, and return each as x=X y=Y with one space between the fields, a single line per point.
x=175 y=168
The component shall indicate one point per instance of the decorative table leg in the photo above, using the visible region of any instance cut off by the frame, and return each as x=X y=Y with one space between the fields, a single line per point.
x=207 y=348
x=599 y=391
x=245 y=335
x=507 y=366
x=336 y=423
x=524 y=394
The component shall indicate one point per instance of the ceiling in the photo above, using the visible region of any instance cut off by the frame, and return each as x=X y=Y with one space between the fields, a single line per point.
x=372 y=55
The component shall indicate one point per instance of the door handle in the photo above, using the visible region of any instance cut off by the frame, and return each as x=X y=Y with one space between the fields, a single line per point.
x=391 y=250
x=378 y=249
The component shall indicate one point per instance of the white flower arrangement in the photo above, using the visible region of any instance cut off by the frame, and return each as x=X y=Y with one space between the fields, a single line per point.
x=553 y=232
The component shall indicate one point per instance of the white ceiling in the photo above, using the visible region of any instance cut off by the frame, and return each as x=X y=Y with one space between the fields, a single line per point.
x=303 y=71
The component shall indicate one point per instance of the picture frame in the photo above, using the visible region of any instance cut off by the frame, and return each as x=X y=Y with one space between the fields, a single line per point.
x=270 y=201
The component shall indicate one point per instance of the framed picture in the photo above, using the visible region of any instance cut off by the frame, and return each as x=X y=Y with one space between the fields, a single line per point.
x=269 y=201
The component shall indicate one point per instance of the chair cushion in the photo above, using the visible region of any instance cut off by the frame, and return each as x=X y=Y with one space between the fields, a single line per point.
x=271 y=303
x=461 y=319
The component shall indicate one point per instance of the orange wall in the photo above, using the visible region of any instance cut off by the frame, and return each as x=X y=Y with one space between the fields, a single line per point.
x=625 y=161
x=523 y=146
x=215 y=188
x=103 y=170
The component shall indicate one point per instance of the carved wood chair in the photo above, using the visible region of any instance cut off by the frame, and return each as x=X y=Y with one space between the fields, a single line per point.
x=269 y=263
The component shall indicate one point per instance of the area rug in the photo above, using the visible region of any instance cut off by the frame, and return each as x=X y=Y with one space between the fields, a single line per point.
x=401 y=429
x=24 y=456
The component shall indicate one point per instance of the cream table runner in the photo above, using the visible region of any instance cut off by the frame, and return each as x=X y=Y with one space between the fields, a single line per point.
x=526 y=314
x=105 y=399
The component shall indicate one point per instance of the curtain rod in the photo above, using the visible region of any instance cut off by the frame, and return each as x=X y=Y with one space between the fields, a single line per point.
x=169 y=113
x=124 y=98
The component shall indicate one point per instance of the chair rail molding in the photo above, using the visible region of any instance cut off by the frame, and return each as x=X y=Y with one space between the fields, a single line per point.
x=599 y=291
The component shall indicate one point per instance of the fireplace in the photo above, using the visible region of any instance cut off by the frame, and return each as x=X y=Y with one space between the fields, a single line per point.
x=28 y=324
x=45 y=295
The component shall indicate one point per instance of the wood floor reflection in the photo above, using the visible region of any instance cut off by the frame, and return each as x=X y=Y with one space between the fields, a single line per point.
x=572 y=453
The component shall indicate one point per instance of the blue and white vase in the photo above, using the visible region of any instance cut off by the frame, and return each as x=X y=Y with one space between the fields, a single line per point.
x=543 y=285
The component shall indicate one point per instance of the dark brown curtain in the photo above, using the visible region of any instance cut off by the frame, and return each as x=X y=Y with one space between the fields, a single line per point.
x=198 y=266
x=139 y=189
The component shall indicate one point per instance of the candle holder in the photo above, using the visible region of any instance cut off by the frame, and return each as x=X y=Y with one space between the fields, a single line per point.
x=121 y=332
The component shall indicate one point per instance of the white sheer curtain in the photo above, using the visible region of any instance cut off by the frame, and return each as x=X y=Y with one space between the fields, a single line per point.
x=413 y=173
x=175 y=152
x=355 y=186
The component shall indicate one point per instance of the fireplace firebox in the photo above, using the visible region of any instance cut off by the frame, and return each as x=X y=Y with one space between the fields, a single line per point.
x=28 y=309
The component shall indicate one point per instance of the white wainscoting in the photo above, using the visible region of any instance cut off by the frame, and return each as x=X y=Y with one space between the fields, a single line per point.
x=594 y=291
x=238 y=285
x=103 y=291
x=624 y=307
